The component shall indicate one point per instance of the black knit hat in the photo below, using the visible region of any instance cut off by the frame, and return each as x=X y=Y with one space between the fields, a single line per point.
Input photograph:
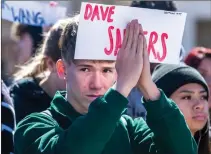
x=169 y=77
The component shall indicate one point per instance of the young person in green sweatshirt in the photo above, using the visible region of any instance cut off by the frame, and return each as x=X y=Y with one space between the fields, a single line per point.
x=87 y=117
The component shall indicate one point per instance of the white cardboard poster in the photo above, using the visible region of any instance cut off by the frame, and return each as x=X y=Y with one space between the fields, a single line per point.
x=32 y=12
x=101 y=29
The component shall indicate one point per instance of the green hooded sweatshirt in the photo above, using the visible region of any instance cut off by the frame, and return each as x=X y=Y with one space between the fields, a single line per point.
x=104 y=130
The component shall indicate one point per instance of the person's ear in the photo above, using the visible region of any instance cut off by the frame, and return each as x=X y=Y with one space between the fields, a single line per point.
x=50 y=64
x=61 y=69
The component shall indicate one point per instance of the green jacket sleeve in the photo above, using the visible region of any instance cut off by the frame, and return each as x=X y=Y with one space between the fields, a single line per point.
x=164 y=132
x=88 y=134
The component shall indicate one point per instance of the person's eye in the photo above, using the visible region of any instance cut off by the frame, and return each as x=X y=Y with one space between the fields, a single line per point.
x=84 y=69
x=204 y=97
x=107 y=70
x=186 y=97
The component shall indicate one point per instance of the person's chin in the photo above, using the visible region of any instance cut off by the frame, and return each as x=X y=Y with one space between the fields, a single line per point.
x=91 y=99
x=199 y=124
x=199 y=127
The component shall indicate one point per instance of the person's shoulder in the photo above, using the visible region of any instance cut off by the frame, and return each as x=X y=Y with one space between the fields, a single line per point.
x=25 y=82
x=24 y=85
x=32 y=128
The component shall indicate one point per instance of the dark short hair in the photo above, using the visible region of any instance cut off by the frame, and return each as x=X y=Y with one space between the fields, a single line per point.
x=18 y=30
x=160 y=5
x=67 y=40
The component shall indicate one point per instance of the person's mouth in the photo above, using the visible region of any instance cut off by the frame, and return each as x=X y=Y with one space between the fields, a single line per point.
x=200 y=117
x=93 y=97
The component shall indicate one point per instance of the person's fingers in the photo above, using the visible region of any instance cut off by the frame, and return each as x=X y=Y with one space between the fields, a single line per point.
x=130 y=36
x=143 y=37
x=146 y=55
x=145 y=52
x=141 y=29
x=135 y=37
x=124 y=43
x=140 y=46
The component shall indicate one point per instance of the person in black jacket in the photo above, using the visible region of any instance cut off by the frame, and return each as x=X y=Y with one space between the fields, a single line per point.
x=36 y=82
x=7 y=121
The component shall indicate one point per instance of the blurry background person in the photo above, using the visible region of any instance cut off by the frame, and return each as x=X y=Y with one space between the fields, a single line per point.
x=200 y=59
x=7 y=121
x=9 y=58
x=19 y=48
x=28 y=39
x=188 y=89
x=37 y=81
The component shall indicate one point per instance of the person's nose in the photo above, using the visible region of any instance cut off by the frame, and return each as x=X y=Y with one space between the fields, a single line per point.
x=96 y=81
x=199 y=105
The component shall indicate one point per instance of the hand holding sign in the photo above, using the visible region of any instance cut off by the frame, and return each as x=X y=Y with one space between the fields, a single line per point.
x=146 y=74
x=145 y=83
x=129 y=62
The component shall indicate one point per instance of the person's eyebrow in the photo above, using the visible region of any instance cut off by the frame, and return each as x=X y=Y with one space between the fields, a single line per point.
x=83 y=65
x=189 y=91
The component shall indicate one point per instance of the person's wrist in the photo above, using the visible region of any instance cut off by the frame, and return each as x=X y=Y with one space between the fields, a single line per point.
x=122 y=88
x=149 y=90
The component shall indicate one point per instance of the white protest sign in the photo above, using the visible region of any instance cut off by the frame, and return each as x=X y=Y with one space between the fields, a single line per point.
x=32 y=12
x=101 y=29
